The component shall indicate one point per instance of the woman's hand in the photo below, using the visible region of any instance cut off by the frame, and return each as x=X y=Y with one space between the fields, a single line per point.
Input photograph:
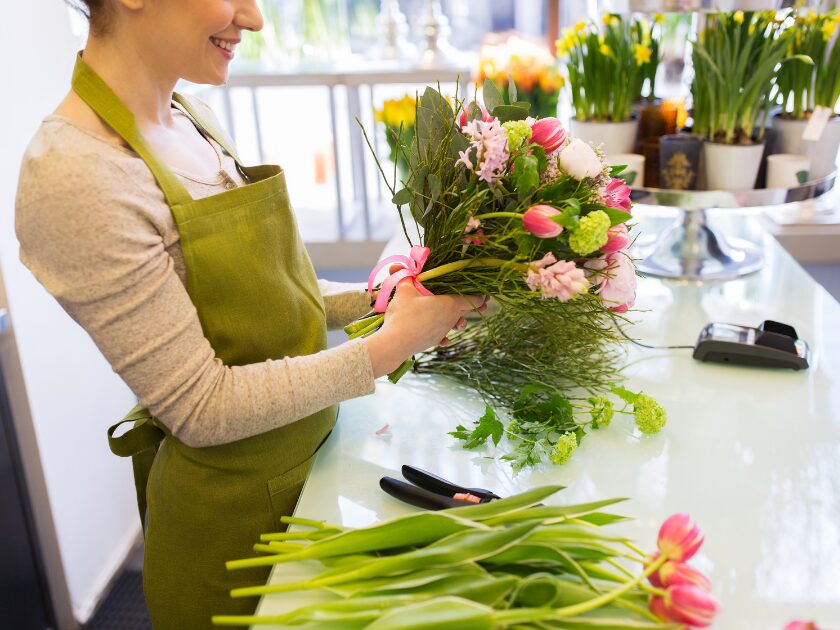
x=415 y=322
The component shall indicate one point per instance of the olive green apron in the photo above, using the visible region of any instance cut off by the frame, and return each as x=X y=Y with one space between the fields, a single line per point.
x=253 y=285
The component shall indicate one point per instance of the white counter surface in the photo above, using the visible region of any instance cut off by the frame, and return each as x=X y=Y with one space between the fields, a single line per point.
x=753 y=454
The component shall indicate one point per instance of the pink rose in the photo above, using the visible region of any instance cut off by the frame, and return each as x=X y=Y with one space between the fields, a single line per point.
x=548 y=133
x=616 y=274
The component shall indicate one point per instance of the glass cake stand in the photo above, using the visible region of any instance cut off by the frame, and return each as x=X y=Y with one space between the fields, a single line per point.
x=691 y=250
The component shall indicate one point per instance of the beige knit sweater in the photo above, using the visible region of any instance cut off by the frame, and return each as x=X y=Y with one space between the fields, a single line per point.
x=95 y=230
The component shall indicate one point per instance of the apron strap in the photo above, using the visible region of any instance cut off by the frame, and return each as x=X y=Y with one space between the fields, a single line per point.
x=102 y=100
x=208 y=128
x=141 y=444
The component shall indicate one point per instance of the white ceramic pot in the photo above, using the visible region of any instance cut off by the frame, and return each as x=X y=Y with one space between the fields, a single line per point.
x=731 y=166
x=611 y=137
x=822 y=154
x=635 y=164
x=784 y=169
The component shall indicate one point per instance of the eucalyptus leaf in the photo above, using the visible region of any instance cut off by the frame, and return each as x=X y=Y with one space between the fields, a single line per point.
x=492 y=96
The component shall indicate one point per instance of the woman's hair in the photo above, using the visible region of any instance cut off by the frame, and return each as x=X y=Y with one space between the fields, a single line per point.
x=98 y=13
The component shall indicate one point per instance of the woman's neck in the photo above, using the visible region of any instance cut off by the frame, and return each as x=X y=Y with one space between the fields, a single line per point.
x=131 y=74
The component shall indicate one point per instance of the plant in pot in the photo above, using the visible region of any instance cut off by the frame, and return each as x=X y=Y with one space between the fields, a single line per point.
x=398 y=117
x=806 y=89
x=736 y=62
x=604 y=69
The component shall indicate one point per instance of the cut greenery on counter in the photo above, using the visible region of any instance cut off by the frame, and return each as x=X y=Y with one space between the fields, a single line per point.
x=543 y=426
x=511 y=563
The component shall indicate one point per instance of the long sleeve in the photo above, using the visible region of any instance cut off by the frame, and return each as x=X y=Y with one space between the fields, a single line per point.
x=344 y=302
x=95 y=231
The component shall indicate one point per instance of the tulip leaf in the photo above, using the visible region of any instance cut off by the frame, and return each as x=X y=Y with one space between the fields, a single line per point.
x=443 y=613
x=526 y=176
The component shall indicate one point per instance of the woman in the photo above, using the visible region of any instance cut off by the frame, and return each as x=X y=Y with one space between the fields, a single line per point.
x=187 y=270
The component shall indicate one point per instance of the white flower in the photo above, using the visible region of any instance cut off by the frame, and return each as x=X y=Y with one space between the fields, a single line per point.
x=579 y=160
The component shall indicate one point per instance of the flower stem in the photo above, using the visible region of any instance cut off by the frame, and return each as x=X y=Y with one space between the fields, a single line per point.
x=375 y=323
x=601 y=600
x=499 y=215
x=458 y=265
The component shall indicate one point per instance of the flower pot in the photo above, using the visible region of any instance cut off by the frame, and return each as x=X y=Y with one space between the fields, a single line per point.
x=787 y=170
x=732 y=166
x=822 y=154
x=679 y=160
x=610 y=137
x=634 y=174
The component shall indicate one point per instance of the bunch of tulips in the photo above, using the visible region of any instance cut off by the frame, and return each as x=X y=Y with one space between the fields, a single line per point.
x=512 y=563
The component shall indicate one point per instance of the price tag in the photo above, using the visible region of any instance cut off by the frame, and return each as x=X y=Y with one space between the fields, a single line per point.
x=816 y=125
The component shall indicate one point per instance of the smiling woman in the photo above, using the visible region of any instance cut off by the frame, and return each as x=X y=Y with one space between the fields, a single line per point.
x=186 y=268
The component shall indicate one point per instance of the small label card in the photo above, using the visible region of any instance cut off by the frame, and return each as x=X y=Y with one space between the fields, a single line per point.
x=816 y=125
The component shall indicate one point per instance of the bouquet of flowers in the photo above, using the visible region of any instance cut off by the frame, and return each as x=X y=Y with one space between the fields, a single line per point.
x=511 y=563
x=513 y=207
x=531 y=67
x=397 y=116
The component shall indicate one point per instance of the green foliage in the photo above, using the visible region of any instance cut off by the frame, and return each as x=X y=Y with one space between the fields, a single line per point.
x=487 y=426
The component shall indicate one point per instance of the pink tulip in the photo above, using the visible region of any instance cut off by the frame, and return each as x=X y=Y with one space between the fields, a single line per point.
x=801 y=625
x=616 y=274
x=676 y=573
x=485 y=115
x=537 y=220
x=679 y=537
x=617 y=195
x=618 y=239
x=548 y=133
x=688 y=604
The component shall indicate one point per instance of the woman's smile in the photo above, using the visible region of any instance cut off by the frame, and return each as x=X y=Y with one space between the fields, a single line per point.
x=225 y=46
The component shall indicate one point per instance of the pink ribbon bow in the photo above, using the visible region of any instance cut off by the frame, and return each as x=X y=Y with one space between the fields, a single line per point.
x=412 y=265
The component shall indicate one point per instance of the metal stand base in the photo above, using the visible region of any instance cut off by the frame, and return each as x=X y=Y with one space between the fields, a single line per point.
x=690 y=250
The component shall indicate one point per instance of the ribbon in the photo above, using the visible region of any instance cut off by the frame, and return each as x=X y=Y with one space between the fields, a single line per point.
x=412 y=265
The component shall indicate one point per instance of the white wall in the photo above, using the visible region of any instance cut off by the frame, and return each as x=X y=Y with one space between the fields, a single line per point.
x=73 y=395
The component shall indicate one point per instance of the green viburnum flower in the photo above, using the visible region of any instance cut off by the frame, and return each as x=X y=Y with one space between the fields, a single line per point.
x=517 y=132
x=591 y=233
x=649 y=415
x=564 y=449
x=602 y=411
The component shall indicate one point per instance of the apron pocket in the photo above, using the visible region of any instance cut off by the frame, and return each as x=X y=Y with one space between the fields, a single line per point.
x=284 y=491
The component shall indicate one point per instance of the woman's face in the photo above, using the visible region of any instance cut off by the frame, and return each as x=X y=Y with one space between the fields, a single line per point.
x=193 y=39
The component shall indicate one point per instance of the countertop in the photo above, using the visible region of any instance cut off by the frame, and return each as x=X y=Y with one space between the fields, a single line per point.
x=752 y=454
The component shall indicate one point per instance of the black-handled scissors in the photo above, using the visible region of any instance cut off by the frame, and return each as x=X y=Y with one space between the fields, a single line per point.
x=431 y=492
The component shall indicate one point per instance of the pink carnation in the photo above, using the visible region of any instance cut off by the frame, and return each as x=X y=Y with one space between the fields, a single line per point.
x=616 y=274
x=562 y=280
x=617 y=195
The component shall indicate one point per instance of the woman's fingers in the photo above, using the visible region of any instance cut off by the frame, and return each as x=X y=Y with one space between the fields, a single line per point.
x=460 y=324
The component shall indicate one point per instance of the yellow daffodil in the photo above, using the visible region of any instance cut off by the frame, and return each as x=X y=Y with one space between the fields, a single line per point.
x=606 y=18
x=837 y=18
x=811 y=17
x=738 y=17
x=658 y=18
x=828 y=29
x=751 y=29
x=642 y=54
x=580 y=26
x=614 y=21
x=396 y=112
x=605 y=50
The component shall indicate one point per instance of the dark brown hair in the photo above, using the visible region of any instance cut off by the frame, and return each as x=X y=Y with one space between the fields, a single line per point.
x=98 y=13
